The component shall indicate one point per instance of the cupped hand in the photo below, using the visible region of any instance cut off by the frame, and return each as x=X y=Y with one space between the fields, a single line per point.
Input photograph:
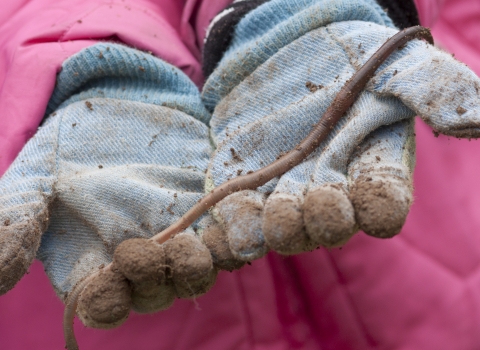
x=122 y=156
x=360 y=178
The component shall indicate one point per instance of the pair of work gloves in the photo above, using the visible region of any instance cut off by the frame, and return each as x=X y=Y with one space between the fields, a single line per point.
x=129 y=145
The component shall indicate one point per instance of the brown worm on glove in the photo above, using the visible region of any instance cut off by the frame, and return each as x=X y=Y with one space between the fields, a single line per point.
x=342 y=102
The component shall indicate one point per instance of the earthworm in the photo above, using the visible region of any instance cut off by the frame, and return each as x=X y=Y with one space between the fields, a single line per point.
x=341 y=103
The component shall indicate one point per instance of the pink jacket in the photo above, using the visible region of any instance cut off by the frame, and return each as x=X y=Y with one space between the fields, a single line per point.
x=419 y=290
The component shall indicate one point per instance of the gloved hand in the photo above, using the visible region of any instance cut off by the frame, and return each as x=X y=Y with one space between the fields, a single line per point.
x=122 y=155
x=284 y=64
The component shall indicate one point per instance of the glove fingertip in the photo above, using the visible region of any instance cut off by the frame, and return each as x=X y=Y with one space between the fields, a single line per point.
x=216 y=241
x=106 y=301
x=283 y=225
x=18 y=245
x=329 y=216
x=190 y=265
x=152 y=297
x=141 y=260
x=381 y=205
x=242 y=214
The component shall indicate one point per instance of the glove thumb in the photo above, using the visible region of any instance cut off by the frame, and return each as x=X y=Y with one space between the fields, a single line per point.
x=25 y=193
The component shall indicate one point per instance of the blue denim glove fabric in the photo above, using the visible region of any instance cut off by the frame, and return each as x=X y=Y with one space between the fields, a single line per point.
x=122 y=155
x=286 y=62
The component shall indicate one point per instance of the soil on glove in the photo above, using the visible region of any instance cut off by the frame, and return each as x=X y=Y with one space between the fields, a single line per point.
x=152 y=296
x=18 y=245
x=190 y=265
x=381 y=207
x=242 y=215
x=216 y=241
x=283 y=226
x=141 y=260
x=329 y=216
x=105 y=302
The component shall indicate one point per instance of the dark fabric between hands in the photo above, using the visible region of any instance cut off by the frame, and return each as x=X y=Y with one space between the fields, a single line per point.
x=221 y=34
x=402 y=12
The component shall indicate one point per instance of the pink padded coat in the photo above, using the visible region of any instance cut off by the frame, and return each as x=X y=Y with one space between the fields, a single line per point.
x=419 y=290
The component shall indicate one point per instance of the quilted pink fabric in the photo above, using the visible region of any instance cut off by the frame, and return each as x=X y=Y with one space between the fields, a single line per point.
x=419 y=290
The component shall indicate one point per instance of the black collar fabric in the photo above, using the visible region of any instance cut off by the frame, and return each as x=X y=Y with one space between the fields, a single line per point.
x=220 y=35
x=402 y=12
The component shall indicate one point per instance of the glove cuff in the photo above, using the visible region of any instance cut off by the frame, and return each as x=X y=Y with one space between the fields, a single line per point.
x=108 y=70
x=263 y=32
x=403 y=13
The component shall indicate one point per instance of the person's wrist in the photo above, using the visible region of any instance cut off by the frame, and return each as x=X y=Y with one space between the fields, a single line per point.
x=220 y=32
x=273 y=25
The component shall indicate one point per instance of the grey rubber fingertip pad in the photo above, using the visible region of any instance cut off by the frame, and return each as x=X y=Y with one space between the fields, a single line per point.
x=381 y=204
x=106 y=300
x=216 y=241
x=329 y=216
x=241 y=214
x=283 y=225
x=18 y=244
x=190 y=265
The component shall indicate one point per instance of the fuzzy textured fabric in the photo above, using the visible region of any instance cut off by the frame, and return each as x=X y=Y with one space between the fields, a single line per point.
x=220 y=32
x=126 y=130
x=266 y=94
x=416 y=291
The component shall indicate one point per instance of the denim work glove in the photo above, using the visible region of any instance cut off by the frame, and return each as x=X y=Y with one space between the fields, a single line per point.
x=284 y=64
x=123 y=155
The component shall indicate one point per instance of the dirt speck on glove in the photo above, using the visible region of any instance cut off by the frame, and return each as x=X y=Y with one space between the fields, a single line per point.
x=381 y=206
x=105 y=302
x=329 y=216
x=460 y=110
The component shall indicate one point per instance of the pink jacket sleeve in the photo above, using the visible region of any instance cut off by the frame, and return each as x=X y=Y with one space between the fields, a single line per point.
x=37 y=36
x=420 y=290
